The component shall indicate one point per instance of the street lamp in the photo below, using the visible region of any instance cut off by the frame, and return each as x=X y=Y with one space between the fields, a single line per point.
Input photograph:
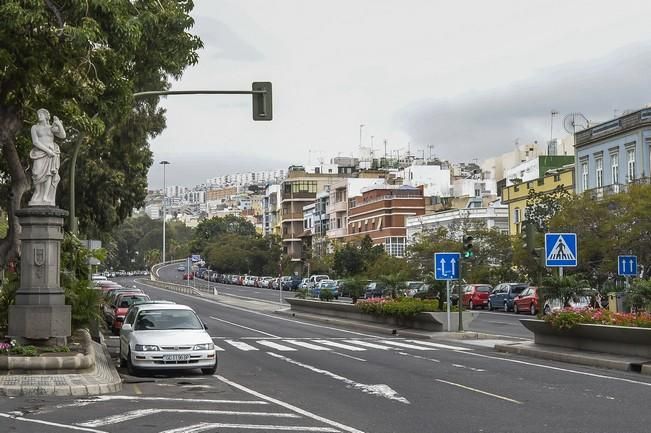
x=164 y=163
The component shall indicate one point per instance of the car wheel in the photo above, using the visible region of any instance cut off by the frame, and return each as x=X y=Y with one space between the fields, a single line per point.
x=532 y=309
x=131 y=369
x=506 y=307
x=471 y=306
x=209 y=371
x=515 y=308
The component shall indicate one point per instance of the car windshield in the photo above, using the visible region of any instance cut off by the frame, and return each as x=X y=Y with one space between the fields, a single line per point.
x=483 y=288
x=167 y=319
x=517 y=289
x=127 y=301
x=414 y=285
x=328 y=284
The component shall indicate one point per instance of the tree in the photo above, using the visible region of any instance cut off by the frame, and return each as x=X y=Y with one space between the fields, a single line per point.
x=83 y=61
x=542 y=206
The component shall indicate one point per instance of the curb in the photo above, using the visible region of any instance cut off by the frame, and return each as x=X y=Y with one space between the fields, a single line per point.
x=590 y=359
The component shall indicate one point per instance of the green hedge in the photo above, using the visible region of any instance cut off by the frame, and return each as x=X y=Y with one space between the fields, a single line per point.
x=400 y=307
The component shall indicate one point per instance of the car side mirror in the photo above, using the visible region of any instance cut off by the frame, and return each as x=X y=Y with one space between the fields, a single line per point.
x=205 y=326
x=126 y=327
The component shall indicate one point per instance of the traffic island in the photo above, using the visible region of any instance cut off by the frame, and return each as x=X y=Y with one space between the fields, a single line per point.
x=89 y=372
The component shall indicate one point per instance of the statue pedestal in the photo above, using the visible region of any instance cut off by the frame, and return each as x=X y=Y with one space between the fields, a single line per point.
x=40 y=314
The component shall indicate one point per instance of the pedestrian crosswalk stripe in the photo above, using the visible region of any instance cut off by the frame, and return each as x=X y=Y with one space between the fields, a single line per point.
x=276 y=346
x=367 y=344
x=241 y=345
x=439 y=345
x=306 y=345
x=340 y=345
x=407 y=346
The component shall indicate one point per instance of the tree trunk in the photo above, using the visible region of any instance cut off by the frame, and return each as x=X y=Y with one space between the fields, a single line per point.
x=10 y=123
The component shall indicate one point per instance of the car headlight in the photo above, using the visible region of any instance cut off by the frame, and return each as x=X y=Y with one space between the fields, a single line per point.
x=146 y=348
x=205 y=346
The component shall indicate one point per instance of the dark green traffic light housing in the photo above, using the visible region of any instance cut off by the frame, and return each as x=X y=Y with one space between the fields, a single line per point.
x=467 y=247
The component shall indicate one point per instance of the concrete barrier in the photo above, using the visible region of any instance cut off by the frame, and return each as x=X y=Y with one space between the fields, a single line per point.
x=621 y=340
x=428 y=321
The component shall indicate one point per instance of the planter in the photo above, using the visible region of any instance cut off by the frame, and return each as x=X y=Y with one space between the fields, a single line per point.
x=621 y=340
x=428 y=321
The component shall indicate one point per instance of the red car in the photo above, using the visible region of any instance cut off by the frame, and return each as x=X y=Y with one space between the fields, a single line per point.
x=120 y=307
x=476 y=295
x=188 y=276
x=526 y=301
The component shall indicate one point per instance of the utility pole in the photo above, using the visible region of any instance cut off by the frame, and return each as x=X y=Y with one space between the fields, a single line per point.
x=164 y=164
x=361 y=126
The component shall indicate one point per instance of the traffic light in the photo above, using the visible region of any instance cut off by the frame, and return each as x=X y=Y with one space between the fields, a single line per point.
x=262 y=106
x=529 y=237
x=467 y=247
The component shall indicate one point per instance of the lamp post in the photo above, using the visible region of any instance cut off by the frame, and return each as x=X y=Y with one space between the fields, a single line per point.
x=164 y=163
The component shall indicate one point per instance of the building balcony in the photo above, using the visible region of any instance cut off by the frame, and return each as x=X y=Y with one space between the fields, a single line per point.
x=337 y=233
x=341 y=206
x=292 y=216
x=385 y=198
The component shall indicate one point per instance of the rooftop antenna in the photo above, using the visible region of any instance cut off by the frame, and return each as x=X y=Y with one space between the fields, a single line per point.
x=551 y=127
x=385 y=148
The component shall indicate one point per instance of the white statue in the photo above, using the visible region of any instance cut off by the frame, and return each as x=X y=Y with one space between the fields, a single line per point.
x=46 y=158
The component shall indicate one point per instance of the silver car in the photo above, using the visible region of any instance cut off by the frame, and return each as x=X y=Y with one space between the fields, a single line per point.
x=165 y=336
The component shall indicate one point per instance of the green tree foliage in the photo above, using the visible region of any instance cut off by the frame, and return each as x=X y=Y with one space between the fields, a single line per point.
x=542 y=206
x=83 y=60
x=355 y=258
x=210 y=229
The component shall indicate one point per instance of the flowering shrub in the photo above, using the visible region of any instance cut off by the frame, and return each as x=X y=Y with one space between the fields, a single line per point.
x=400 y=307
x=569 y=317
x=6 y=347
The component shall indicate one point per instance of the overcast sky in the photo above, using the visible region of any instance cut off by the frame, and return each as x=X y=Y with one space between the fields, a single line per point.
x=467 y=77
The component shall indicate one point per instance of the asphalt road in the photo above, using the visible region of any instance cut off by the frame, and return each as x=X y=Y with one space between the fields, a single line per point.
x=280 y=374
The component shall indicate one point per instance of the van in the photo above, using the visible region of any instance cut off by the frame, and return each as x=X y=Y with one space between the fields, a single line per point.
x=314 y=279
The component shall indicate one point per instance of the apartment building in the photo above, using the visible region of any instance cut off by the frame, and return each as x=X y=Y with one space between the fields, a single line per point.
x=381 y=212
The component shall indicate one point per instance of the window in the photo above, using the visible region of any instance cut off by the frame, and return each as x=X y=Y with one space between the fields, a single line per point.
x=614 y=168
x=516 y=216
x=630 y=166
x=395 y=246
x=541 y=182
x=584 y=176
x=599 y=162
x=557 y=178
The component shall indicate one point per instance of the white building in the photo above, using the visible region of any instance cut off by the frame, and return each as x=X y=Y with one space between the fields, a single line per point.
x=434 y=178
x=271 y=210
x=154 y=210
x=496 y=167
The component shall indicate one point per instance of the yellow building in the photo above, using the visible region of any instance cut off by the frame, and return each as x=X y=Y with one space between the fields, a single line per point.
x=516 y=195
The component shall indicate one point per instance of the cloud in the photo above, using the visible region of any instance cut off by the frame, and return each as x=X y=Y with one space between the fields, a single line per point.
x=223 y=43
x=484 y=124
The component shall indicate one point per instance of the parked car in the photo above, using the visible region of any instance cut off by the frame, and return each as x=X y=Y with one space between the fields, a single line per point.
x=304 y=283
x=188 y=276
x=374 y=289
x=527 y=300
x=291 y=282
x=314 y=279
x=121 y=305
x=325 y=285
x=265 y=282
x=503 y=294
x=412 y=287
x=165 y=336
x=476 y=295
x=181 y=268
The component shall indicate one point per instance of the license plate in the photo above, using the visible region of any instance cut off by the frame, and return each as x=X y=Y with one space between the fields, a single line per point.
x=182 y=357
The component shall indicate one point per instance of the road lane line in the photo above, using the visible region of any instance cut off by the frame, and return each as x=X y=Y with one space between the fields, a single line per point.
x=100 y=398
x=244 y=327
x=289 y=406
x=314 y=325
x=276 y=346
x=241 y=345
x=439 y=345
x=380 y=389
x=479 y=391
x=51 y=424
x=565 y=370
x=371 y=345
x=340 y=346
x=406 y=346
x=204 y=426
x=140 y=413
x=349 y=356
x=306 y=345
x=418 y=357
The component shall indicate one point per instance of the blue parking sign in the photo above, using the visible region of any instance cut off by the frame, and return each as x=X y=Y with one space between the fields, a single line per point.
x=446 y=266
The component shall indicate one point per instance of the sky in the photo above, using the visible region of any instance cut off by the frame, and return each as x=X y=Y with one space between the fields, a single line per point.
x=461 y=79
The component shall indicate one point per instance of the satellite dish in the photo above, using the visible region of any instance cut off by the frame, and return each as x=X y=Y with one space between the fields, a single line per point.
x=574 y=122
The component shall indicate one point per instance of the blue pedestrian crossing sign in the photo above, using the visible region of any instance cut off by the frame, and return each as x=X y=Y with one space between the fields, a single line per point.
x=560 y=250
x=446 y=266
x=627 y=266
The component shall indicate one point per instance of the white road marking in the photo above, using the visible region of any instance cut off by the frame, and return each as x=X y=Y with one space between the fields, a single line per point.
x=380 y=390
x=340 y=346
x=307 y=345
x=204 y=426
x=349 y=356
x=418 y=357
x=314 y=325
x=100 y=398
x=241 y=345
x=51 y=424
x=244 y=327
x=407 y=346
x=289 y=406
x=439 y=345
x=134 y=414
x=371 y=345
x=479 y=391
x=566 y=370
x=468 y=368
x=218 y=349
x=276 y=346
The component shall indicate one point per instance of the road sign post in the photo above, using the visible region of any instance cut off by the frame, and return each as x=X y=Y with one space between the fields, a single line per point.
x=446 y=268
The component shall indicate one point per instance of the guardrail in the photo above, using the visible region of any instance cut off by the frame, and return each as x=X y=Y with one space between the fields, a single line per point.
x=179 y=288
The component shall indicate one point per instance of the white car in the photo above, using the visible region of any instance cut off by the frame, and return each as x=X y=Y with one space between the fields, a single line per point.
x=159 y=336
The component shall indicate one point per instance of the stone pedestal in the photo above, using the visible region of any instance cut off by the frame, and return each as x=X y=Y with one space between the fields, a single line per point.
x=40 y=314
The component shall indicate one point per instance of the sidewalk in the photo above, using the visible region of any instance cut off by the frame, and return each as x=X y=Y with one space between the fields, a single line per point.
x=103 y=378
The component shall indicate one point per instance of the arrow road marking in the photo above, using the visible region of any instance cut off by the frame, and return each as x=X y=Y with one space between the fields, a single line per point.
x=380 y=389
